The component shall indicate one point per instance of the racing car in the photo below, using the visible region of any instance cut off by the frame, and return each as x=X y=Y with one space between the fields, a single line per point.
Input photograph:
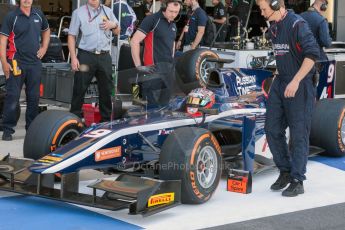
x=165 y=155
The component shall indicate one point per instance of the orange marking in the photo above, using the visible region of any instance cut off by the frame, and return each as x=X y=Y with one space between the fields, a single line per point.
x=197 y=145
x=61 y=128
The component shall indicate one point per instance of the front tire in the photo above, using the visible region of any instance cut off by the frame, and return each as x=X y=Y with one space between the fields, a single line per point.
x=50 y=130
x=193 y=156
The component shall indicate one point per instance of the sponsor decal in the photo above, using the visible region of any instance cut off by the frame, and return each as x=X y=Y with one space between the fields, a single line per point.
x=165 y=132
x=194 y=187
x=106 y=154
x=245 y=84
x=50 y=159
x=162 y=198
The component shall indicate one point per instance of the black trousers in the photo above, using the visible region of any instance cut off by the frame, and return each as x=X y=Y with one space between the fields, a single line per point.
x=157 y=88
x=31 y=77
x=295 y=113
x=98 y=65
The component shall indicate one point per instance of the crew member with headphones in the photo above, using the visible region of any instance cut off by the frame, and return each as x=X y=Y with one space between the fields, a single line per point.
x=292 y=94
x=319 y=25
x=158 y=31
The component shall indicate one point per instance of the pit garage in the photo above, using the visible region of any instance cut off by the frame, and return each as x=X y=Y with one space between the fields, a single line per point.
x=128 y=178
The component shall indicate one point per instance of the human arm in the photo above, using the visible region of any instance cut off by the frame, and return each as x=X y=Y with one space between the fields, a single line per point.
x=45 y=36
x=138 y=37
x=111 y=23
x=72 y=50
x=325 y=38
x=179 y=41
x=4 y=34
x=306 y=45
x=6 y=67
x=73 y=32
x=202 y=19
x=292 y=87
x=198 y=37
x=44 y=44
x=220 y=21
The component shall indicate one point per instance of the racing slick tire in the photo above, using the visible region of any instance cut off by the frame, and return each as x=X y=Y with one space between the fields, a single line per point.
x=50 y=130
x=193 y=156
x=192 y=68
x=328 y=127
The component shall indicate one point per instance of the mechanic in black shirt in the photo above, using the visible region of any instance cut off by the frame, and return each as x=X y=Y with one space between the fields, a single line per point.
x=219 y=19
x=158 y=31
x=319 y=25
x=292 y=94
x=24 y=39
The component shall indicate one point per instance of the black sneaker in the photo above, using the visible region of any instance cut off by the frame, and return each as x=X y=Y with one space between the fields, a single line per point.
x=295 y=188
x=283 y=180
x=6 y=137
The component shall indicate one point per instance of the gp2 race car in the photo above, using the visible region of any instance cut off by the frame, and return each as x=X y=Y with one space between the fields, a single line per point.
x=166 y=155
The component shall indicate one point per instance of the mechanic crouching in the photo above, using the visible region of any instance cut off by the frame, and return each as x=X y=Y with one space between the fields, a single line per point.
x=292 y=94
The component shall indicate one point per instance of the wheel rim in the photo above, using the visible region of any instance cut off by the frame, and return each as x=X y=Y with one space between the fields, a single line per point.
x=207 y=165
x=205 y=70
x=67 y=137
x=342 y=130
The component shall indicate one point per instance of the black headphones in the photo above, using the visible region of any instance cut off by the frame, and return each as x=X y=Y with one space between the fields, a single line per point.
x=324 y=6
x=165 y=4
x=275 y=5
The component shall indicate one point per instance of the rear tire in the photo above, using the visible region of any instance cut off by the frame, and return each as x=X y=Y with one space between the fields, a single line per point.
x=193 y=156
x=328 y=127
x=50 y=130
x=192 y=69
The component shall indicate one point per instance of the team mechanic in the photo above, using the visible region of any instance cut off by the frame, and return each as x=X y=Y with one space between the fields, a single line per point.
x=21 y=61
x=95 y=21
x=158 y=32
x=219 y=18
x=319 y=25
x=194 y=30
x=292 y=94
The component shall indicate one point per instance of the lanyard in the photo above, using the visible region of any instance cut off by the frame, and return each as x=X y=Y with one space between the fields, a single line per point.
x=190 y=17
x=94 y=17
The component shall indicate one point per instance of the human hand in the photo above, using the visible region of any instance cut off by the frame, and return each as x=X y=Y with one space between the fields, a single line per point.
x=75 y=64
x=7 y=68
x=178 y=45
x=108 y=25
x=41 y=52
x=291 y=89
x=146 y=69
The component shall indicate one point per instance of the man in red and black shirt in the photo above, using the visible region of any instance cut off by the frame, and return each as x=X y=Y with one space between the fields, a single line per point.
x=158 y=31
x=24 y=39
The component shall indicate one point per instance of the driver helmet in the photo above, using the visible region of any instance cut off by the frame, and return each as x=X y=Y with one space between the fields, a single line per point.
x=199 y=98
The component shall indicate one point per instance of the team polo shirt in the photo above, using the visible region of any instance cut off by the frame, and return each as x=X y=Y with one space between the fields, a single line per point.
x=292 y=42
x=159 y=40
x=24 y=33
x=219 y=13
x=196 y=18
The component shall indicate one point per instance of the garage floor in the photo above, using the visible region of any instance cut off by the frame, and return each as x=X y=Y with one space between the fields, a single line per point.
x=321 y=207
